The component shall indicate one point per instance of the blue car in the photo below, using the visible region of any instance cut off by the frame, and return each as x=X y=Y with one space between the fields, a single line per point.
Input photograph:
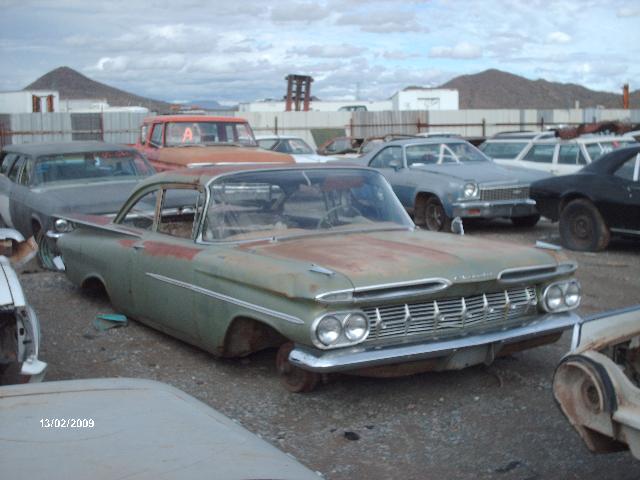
x=438 y=179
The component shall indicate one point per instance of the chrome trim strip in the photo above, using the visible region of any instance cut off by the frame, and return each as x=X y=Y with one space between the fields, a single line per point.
x=439 y=285
x=559 y=269
x=226 y=298
x=625 y=230
x=357 y=357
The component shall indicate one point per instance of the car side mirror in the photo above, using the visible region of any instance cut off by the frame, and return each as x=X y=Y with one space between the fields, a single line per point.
x=395 y=164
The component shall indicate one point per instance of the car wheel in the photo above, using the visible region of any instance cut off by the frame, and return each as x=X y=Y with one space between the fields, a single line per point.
x=528 y=221
x=435 y=218
x=582 y=227
x=45 y=252
x=293 y=378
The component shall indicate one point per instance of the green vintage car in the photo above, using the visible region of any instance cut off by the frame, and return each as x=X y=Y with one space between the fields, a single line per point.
x=320 y=262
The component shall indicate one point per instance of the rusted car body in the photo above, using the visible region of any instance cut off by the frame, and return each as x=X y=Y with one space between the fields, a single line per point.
x=178 y=141
x=128 y=428
x=19 y=326
x=597 y=385
x=322 y=262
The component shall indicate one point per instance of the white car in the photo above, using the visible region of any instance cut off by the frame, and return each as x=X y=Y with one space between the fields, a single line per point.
x=19 y=326
x=294 y=146
x=544 y=151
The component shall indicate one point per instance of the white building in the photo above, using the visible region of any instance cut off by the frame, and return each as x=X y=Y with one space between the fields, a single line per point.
x=317 y=106
x=92 y=105
x=410 y=98
x=30 y=101
x=420 y=98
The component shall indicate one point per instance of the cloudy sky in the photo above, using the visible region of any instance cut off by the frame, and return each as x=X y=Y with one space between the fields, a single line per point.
x=233 y=51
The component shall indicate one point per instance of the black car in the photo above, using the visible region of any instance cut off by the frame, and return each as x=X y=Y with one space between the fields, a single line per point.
x=600 y=200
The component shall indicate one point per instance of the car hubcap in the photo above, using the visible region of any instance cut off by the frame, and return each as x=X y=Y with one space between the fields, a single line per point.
x=434 y=217
x=581 y=227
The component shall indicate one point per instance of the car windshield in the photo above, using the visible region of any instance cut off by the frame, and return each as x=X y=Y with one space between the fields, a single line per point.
x=281 y=203
x=446 y=152
x=598 y=149
x=186 y=134
x=98 y=166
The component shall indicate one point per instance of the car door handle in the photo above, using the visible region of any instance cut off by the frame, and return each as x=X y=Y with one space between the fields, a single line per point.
x=138 y=246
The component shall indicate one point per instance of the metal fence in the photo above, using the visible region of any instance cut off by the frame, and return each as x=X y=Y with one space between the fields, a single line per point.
x=123 y=127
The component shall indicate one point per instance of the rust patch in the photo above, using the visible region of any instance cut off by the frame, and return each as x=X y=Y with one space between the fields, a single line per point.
x=127 y=242
x=161 y=249
x=246 y=336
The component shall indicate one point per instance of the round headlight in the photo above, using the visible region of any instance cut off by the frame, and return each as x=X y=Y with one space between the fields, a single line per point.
x=554 y=297
x=62 y=226
x=355 y=328
x=470 y=189
x=572 y=294
x=328 y=330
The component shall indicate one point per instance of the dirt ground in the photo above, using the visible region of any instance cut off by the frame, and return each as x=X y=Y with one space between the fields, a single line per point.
x=497 y=422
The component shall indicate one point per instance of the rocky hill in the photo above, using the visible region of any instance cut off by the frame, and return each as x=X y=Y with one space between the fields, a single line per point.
x=73 y=85
x=497 y=89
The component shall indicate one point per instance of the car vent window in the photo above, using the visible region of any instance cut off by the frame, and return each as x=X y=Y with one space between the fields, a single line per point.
x=178 y=212
x=142 y=213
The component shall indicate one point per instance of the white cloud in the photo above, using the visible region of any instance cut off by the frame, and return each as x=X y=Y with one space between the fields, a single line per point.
x=112 y=64
x=462 y=50
x=558 y=38
x=626 y=12
x=328 y=51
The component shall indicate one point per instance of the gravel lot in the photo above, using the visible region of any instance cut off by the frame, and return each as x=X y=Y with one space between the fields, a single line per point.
x=484 y=422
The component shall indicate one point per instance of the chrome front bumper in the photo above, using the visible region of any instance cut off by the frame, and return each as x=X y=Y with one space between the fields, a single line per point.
x=494 y=209
x=354 y=358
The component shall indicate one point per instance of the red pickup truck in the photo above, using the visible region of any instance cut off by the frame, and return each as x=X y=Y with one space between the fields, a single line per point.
x=177 y=141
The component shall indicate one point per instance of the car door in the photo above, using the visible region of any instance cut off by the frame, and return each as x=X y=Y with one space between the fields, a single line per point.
x=163 y=263
x=6 y=186
x=620 y=203
x=17 y=209
x=570 y=159
x=540 y=157
x=390 y=162
x=154 y=144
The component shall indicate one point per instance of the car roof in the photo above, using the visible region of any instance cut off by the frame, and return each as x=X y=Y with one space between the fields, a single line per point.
x=277 y=137
x=193 y=118
x=56 y=148
x=425 y=141
x=202 y=175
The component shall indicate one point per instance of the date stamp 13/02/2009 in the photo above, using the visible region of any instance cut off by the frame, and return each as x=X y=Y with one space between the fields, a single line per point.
x=67 y=423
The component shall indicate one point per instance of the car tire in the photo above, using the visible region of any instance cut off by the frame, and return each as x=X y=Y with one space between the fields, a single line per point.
x=435 y=218
x=526 y=222
x=582 y=227
x=293 y=378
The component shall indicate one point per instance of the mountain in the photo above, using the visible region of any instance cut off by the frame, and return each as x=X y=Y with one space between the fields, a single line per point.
x=497 y=89
x=73 y=85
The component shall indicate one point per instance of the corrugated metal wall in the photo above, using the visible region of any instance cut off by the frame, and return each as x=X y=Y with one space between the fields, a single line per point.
x=123 y=127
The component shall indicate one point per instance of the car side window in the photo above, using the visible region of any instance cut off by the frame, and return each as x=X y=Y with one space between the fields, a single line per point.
x=142 y=214
x=7 y=162
x=571 y=155
x=629 y=170
x=180 y=212
x=15 y=168
x=27 y=171
x=387 y=158
x=540 y=154
x=156 y=135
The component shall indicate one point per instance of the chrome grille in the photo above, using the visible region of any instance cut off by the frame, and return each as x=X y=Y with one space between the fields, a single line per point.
x=515 y=192
x=450 y=316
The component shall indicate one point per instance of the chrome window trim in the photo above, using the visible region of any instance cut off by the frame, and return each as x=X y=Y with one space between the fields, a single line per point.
x=227 y=298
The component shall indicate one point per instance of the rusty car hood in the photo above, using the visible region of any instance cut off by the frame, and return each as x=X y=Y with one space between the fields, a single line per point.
x=381 y=257
x=183 y=156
